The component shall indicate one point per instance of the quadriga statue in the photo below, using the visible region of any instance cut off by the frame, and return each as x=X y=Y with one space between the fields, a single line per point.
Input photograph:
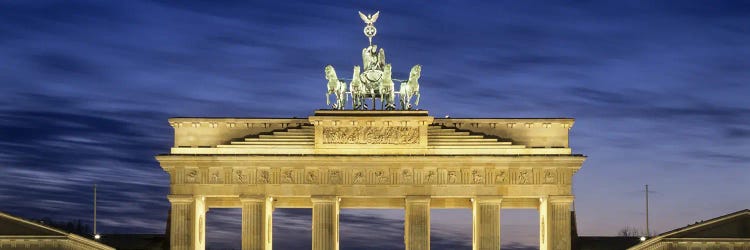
x=377 y=83
x=336 y=87
x=358 y=90
x=410 y=88
x=386 y=89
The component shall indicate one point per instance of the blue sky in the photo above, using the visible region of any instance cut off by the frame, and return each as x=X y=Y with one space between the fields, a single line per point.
x=658 y=89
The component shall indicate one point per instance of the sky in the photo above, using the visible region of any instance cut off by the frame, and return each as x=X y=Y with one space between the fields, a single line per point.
x=658 y=90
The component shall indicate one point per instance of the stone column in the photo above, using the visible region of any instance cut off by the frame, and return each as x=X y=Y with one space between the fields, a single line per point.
x=325 y=223
x=486 y=222
x=417 y=223
x=554 y=223
x=257 y=215
x=187 y=227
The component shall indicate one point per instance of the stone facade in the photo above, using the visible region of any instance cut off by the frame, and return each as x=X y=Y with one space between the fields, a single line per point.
x=370 y=159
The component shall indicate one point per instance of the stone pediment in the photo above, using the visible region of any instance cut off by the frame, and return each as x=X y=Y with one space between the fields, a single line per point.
x=388 y=132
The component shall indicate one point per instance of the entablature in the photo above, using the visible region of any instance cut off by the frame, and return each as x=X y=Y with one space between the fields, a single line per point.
x=373 y=175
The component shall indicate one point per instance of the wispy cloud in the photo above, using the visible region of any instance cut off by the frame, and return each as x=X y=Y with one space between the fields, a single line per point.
x=86 y=89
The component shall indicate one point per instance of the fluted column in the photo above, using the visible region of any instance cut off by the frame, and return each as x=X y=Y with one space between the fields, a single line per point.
x=325 y=223
x=486 y=222
x=187 y=227
x=417 y=223
x=257 y=216
x=554 y=223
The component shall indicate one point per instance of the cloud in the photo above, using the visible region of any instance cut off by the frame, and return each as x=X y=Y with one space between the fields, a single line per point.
x=56 y=63
x=86 y=89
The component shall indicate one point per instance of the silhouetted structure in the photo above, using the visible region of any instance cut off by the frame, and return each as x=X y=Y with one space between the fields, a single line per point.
x=17 y=233
x=731 y=231
x=135 y=241
x=599 y=242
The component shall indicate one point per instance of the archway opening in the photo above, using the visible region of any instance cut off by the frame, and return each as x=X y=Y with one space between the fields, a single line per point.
x=223 y=229
x=450 y=229
x=371 y=229
x=519 y=228
x=292 y=228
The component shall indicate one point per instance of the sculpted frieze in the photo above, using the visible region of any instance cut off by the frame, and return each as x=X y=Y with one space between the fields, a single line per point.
x=288 y=176
x=263 y=176
x=312 y=176
x=523 y=176
x=215 y=176
x=381 y=177
x=477 y=176
x=375 y=176
x=334 y=176
x=406 y=176
x=452 y=177
x=191 y=176
x=430 y=177
x=240 y=176
x=549 y=176
x=500 y=177
x=371 y=135
x=358 y=177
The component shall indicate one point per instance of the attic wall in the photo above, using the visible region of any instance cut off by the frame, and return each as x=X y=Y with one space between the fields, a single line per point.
x=209 y=132
x=534 y=132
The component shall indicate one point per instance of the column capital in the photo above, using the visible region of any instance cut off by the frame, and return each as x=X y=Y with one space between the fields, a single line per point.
x=180 y=198
x=418 y=198
x=561 y=199
x=324 y=199
x=487 y=199
x=253 y=198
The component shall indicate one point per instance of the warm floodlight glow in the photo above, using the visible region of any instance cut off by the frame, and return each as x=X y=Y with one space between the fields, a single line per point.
x=643 y=238
x=97 y=236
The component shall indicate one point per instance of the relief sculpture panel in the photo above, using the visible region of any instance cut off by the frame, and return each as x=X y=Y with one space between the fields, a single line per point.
x=240 y=176
x=191 y=176
x=430 y=177
x=335 y=176
x=371 y=135
x=263 y=176
x=358 y=177
x=381 y=176
x=500 y=177
x=549 y=176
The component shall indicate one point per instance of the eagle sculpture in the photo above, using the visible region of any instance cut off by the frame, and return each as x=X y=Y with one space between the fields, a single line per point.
x=369 y=19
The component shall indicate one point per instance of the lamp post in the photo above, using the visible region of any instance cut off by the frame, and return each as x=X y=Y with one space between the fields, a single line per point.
x=648 y=233
x=96 y=235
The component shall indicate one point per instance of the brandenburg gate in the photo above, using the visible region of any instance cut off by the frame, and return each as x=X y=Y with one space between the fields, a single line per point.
x=361 y=158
